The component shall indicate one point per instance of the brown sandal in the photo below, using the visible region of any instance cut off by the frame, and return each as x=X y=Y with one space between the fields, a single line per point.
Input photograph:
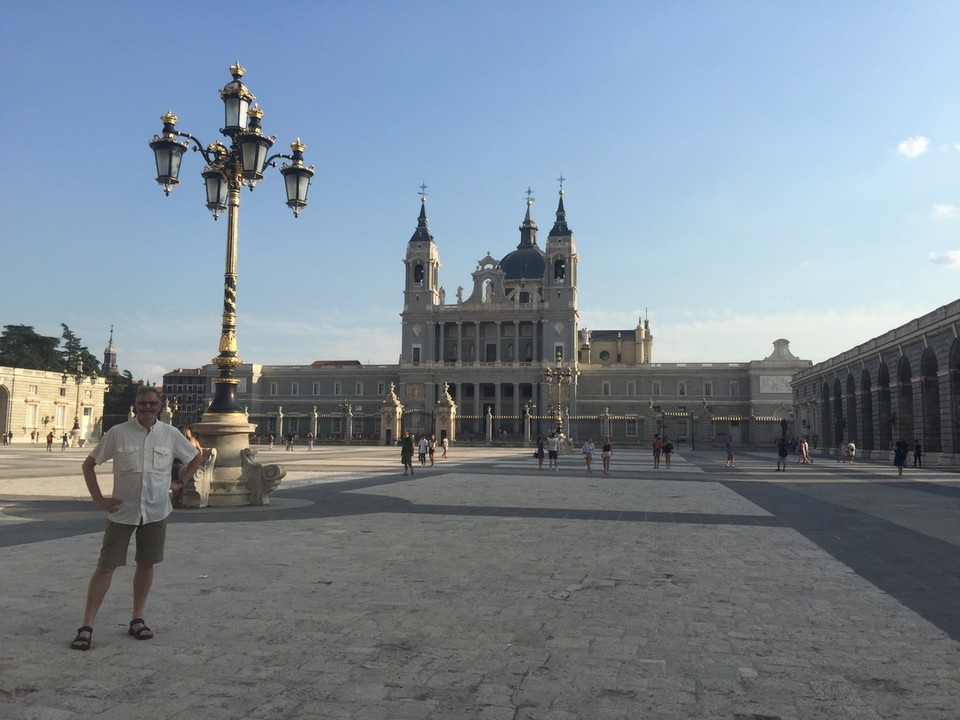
x=80 y=642
x=141 y=633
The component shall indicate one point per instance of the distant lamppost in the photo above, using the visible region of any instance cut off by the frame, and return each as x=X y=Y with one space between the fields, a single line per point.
x=556 y=378
x=227 y=170
x=78 y=377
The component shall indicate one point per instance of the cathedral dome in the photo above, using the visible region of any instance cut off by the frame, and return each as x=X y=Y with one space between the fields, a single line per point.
x=527 y=260
x=524 y=262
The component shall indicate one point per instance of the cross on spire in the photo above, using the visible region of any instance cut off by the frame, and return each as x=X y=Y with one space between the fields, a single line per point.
x=423 y=192
x=529 y=194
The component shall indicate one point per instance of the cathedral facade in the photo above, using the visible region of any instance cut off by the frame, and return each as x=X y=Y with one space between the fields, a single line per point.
x=508 y=354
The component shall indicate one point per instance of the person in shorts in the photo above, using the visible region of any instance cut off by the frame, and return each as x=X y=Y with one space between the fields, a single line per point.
x=143 y=451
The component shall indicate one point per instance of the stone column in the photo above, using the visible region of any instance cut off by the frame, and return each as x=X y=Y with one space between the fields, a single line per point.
x=391 y=415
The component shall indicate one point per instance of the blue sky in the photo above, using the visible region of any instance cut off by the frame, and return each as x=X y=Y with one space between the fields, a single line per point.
x=738 y=171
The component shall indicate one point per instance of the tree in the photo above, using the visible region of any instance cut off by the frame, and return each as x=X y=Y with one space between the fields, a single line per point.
x=21 y=346
x=73 y=349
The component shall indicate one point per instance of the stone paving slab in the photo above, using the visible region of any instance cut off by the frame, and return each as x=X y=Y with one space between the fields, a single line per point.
x=443 y=596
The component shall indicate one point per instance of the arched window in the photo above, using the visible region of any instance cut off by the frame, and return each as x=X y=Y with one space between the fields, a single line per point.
x=559 y=269
x=418 y=273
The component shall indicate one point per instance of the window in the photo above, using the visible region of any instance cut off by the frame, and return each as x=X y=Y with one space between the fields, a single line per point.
x=63 y=392
x=294 y=388
x=418 y=274
x=61 y=416
x=337 y=389
x=273 y=388
x=272 y=425
x=558 y=352
x=604 y=356
x=707 y=389
x=415 y=358
x=655 y=388
x=32 y=389
x=559 y=269
x=381 y=389
x=605 y=388
x=316 y=388
x=358 y=389
x=682 y=387
x=734 y=388
x=631 y=427
x=631 y=388
x=293 y=425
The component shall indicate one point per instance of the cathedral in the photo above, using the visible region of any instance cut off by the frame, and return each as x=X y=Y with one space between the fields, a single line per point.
x=507 y=354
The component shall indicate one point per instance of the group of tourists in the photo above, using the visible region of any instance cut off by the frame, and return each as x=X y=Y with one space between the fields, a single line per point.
x=426 y=448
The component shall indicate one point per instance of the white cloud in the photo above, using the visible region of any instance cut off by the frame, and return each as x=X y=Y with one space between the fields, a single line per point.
x=945 y=210
x=913 y=147
x=950 y=258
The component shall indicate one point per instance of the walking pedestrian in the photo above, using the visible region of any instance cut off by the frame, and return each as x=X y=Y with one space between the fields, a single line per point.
x=539 y=452
x=50 y=441
x=143 y=451
x=782 y=452
x=445 y=444
x=667 y=451
x=588 y=451
x=606 y=452
x=917 y=454
x=900 y=455
x=422 y=448
x=728 y=446
x=657 y=450
x=432 y=448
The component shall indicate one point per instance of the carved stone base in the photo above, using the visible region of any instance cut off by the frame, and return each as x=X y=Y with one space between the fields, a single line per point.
x=196 y=490
x=260 y=480
x=229 y=434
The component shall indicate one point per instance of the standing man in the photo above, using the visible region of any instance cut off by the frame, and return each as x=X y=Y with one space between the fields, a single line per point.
x=553 y=451
x=782 y=452
x=143 y=451
x=406 y=452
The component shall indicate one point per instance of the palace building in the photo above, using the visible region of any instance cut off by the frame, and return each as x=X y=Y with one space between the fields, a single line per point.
x=505 y=358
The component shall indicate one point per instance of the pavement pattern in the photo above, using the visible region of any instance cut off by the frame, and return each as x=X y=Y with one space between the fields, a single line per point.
x=483 y=587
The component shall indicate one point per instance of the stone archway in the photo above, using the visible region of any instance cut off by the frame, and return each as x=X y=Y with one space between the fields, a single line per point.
x=826 y=417
x=866 y=410
x=953 y=418
x=930 y=401
x=853 y=434
x=885 y=410
x=905 y=425
x=839 y=424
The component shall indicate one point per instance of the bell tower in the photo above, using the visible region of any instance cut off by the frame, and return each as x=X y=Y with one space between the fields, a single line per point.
x=560 y=283
x=421 y=290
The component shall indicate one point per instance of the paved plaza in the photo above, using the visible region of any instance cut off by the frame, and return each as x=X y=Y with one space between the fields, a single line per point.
x=485 y=588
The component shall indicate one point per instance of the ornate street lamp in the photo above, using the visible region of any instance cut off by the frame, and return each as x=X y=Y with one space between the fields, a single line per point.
x=229 y=167
x=556 y=378
x=78 y=377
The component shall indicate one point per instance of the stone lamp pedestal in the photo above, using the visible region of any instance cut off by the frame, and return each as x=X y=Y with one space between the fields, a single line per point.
x=236 y=480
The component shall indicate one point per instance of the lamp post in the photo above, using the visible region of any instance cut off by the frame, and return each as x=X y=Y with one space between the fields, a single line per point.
x=78 y=377
x=556 y=378
x=228 y=169
x=240 y=160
